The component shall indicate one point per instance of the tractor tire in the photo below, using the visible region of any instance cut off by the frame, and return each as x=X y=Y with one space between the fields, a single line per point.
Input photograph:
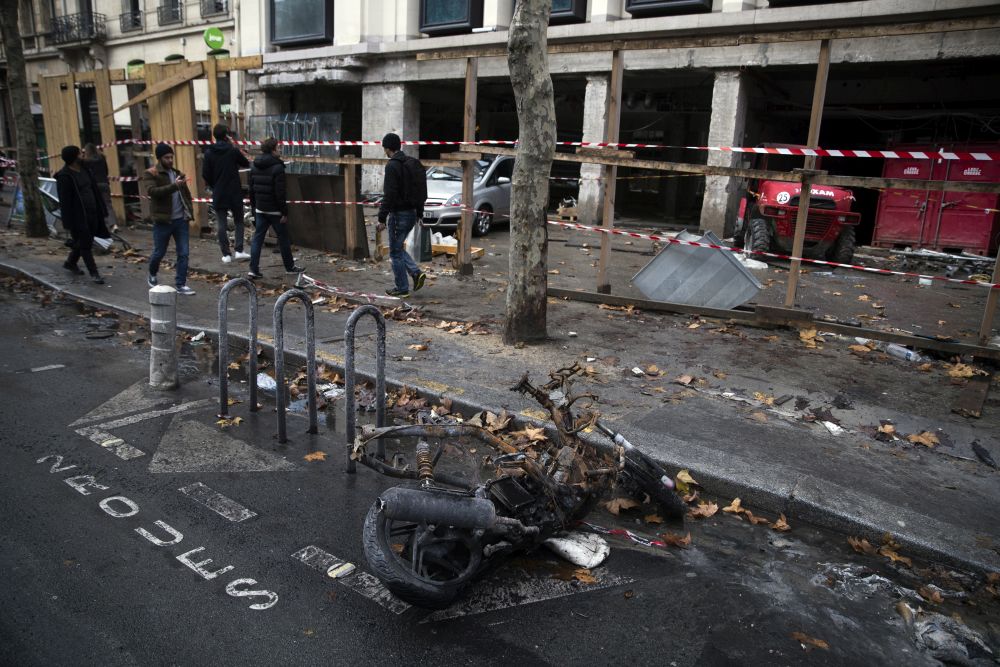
x=757 y=237
x=842 y=251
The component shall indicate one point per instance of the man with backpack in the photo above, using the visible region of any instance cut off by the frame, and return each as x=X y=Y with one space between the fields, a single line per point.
x=404 y=191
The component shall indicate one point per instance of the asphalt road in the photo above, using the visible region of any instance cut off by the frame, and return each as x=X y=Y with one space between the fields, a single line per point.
x=118 y=558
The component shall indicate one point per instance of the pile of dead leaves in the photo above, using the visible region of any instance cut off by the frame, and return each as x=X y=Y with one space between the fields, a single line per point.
x=888 y=549
x=463 y=328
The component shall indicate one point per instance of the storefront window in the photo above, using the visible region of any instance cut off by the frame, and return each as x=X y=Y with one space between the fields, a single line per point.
x=447 y=17
x=643 y=8
x=301 y=21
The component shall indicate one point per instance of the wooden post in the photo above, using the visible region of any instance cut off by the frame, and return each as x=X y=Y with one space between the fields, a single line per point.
x=353 y=247
x=991 y=306
x=611 y=127
x=102 y=86
x=815 y=120
x=463 y=257
x=212 y=74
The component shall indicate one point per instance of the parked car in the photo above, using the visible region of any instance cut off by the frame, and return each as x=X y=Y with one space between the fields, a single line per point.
x=490 y=195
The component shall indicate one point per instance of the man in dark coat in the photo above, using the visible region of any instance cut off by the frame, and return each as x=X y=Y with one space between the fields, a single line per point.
x=82 y=209
x=170 y=207
x=401 y=216
x=221 y=171
x=267 y=197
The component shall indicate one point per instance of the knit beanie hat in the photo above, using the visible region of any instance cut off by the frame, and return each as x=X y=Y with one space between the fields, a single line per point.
x=163 y=149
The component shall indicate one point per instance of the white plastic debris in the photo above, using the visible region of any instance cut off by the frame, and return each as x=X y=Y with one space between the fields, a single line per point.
x=340 y=570
x=638 y=372
x=266 y=383
x=750 y=263
x=573 y=334
x=582 y=549
x=833 y=428
x=198 y=337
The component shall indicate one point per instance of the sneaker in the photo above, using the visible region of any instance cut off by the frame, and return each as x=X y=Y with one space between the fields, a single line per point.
x=151 y=280
x=296 y=269
x=226 y=259
x=398 y=293
x=185 y=290
x=240 y=255
x=96 y=277
x=72 y=268
x=254 y=275
x=418 y=282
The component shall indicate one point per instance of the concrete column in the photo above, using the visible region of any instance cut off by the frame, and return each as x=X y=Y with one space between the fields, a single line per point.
x=163 y=327
x=386 y=107
x=729 y=111
x=601 y=11
x=595 y=114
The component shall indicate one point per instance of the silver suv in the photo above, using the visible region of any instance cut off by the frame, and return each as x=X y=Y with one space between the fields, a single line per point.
x=490 y=195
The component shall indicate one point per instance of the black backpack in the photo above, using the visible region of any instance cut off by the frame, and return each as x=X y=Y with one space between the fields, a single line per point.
x=414 y=183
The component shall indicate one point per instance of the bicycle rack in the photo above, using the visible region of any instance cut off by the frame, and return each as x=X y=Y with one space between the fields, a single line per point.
x=350 y=407
x=224 y=344
x=279 y=358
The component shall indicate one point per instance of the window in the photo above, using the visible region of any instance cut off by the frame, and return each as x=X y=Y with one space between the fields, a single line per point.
x=796 y=3
x=131 y=16
x=301 y=21
x=449 y=17
x=504 y=170
x=568 y=11
x=643 y=8
x=170 y=11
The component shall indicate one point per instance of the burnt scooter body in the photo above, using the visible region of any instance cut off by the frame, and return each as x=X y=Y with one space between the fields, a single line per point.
x=427 y=541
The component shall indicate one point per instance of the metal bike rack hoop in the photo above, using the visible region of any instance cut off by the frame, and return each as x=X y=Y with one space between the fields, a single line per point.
x=224 y=344
x=279 y=358
x=350 y=407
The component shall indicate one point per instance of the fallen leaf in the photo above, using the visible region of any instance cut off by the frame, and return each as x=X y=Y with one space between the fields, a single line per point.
x=954 y=305
x=703 y=510
x=862 y=546
x=653 y=518
x=684 y=380
x=720 y=375
x=755 y=520
x=584 y=576
x=926 y=368
x=925 y=438
x=864 y=297
x=860 y=349
x=888 y=429
x=233 y=401
x=694 y=325
x=315 y=456
x=809 y=642
x=675 y=540
x=892 y=555
x=629 y=594
x=734 y=507
x=758 y=416
x=684 y=477
x=964 y=371
x=808 y=337
x=930 y=594
x=652 y=370
x=616 y=505
x=419 y=348
x=781 y=525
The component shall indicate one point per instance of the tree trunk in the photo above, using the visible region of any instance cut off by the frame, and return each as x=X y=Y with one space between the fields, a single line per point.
x=527 y=59
x=24 y=124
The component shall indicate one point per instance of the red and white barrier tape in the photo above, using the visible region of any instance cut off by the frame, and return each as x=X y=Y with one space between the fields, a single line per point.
x=306 y=281
x=822 y=262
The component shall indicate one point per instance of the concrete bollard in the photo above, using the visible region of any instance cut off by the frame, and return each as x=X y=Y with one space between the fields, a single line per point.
x=163 y=327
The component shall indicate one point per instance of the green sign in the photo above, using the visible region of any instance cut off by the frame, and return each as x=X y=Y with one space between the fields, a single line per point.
x=214 y=38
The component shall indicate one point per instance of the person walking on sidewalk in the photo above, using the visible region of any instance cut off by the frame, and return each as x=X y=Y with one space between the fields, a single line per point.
x=95 y=161
x=270 y=206
x=404 y=191
x=170 y=209
x=82 y=211
x=221 y=170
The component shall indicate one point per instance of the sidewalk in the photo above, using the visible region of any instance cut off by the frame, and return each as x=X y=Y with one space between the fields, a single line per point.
x=708 y=396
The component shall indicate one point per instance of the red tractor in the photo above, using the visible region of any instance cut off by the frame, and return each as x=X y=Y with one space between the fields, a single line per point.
x=767 y=214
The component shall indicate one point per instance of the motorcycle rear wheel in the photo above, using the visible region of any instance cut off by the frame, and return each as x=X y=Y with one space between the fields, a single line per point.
x=422 y=564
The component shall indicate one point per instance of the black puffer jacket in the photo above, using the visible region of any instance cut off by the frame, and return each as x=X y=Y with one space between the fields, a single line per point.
x=221 y=171
x=267 y=184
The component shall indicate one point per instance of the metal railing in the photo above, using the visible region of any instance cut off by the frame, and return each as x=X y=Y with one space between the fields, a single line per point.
x=170 y=12
x=350 y=407
x=279 y=359
x=224 y=344
x=130 y=21
x=214 y=7
x=84 y=27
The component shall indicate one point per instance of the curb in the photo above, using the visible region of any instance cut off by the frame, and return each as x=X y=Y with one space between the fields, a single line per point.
x=805 y=498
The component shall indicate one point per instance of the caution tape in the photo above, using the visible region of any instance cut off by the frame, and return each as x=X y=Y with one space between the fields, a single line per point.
x=822 y=262
x=622 y=532
x=306 y=281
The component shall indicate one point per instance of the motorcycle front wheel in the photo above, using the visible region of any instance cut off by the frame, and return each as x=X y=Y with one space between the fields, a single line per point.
x=423 y=564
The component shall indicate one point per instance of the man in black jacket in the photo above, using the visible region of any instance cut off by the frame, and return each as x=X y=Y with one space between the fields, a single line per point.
x=221 y=171
x=82 y=210
x=267 y=197
x=401 y=215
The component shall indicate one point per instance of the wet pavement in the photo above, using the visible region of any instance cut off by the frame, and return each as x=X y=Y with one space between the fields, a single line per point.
x=89 y=587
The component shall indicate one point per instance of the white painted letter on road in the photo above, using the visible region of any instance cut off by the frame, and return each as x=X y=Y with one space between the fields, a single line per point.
x=81 y=482
x=240 y=593
x=58 y=462
x=197 y=567
x=105 y=505
x=157 y=541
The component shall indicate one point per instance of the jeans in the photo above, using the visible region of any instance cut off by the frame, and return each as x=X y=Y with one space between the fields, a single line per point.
x=178 y=229
x=284 y=241
x=400 y=224
x=221 y=209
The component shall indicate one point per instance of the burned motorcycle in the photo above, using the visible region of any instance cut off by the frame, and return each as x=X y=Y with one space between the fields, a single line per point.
x=426 y=542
